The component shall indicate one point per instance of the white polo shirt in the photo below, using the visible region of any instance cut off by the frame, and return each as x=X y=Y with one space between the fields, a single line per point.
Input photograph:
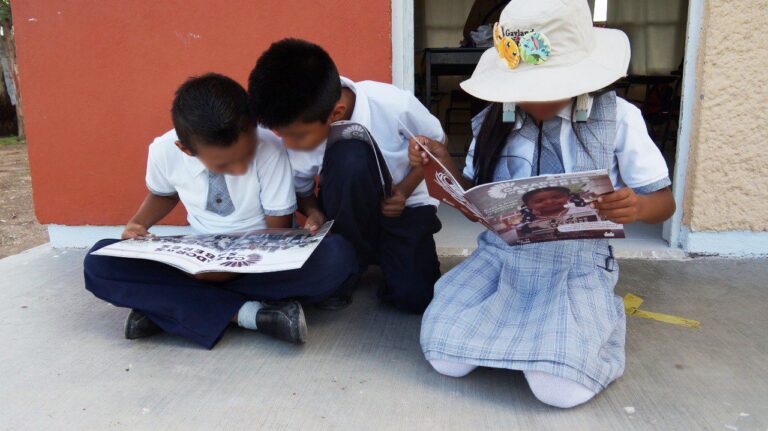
x=638 y=163
x=380 y=108
x=265 y=190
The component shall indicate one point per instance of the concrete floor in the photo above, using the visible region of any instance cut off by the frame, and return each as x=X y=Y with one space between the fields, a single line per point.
x=65 y=365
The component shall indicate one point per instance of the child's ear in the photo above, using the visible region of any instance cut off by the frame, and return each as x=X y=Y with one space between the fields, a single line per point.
x=184 y=149
x=338 y=113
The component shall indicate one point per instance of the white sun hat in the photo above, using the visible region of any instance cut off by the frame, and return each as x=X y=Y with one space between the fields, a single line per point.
x=548 y=50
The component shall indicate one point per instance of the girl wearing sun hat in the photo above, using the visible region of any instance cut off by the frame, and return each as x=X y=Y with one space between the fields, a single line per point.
x=548 y=308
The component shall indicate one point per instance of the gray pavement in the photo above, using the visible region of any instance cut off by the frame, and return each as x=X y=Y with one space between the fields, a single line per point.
x=65 y=365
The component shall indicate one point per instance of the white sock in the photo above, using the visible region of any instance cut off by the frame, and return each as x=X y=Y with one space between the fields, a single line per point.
x=451 y=369
x=246 y=317
x=557 y=391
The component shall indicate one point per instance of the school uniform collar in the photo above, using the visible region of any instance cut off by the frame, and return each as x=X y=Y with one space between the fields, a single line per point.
x=194 y=165
x=361 y=113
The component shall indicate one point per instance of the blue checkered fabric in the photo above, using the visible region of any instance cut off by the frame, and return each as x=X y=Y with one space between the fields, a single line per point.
x=546 y=306
x=218 y=200
x=551 y=153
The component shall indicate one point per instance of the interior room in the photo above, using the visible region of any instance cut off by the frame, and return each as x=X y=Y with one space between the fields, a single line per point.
x=450 y=36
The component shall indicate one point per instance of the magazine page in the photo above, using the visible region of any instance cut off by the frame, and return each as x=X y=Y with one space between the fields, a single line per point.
x=350 y=130
x=443 y=186
x=188 y=253
x=546 y=208
x=268 y=250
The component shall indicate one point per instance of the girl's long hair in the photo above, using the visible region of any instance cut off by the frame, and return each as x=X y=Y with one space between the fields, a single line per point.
x=493 y=136
x=489 y=143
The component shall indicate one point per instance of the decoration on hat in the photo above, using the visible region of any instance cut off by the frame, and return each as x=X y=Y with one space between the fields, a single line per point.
x=506 y=47
x=534 y=48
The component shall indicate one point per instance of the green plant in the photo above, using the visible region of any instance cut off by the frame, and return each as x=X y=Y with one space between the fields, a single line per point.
x=5 y=11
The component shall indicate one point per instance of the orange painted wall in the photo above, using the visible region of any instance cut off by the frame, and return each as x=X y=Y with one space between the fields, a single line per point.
x=97 y=78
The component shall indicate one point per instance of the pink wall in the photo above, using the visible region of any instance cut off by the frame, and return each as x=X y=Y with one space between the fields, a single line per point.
x=97 y=78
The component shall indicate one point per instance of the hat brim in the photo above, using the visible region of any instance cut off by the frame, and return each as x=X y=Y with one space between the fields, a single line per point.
x=494 y=82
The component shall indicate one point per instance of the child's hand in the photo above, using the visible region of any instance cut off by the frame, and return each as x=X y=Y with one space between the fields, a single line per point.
x=134 y=230
x=621 y=206
x=394 y=205
x=315 y=219
x=418 y=157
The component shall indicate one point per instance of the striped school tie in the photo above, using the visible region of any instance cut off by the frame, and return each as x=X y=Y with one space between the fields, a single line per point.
x=218 y=201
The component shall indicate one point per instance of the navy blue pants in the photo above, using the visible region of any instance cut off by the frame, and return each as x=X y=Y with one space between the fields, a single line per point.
x=350 y=193
x=201 y=311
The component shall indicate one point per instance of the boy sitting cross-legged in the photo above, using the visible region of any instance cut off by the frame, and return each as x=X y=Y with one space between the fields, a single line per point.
x=231 y=177
x=295 y=90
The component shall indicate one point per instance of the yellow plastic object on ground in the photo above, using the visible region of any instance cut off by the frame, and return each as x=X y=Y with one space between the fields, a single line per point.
x=632 y=307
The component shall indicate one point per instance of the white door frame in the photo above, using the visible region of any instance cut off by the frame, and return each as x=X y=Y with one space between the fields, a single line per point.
x=403 y=77
x=402 y=44
x=673 y=227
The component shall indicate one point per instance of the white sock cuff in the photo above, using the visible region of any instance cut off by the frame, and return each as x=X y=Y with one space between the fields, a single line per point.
x=246 y=317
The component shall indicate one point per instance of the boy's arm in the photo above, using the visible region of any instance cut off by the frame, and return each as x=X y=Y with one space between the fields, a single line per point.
x=309 y=206
x=151 y=211
x=418 y=158
x=415 y=119
x=279 y=222
x=394 y=205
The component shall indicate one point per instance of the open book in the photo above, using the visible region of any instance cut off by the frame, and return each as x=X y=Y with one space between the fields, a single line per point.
x=262 y=250
x=535 y=209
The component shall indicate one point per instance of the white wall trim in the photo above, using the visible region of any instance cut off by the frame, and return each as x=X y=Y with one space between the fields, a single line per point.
x=85 y=236
x=402 y=44
x=729 y=243
x=673 y=228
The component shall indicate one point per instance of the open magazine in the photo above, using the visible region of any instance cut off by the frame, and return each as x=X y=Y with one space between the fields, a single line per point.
x=341 y=130
x=535 y=209
x=262 y=250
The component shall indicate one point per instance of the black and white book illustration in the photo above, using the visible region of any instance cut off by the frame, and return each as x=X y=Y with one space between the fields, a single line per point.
x=263 y=250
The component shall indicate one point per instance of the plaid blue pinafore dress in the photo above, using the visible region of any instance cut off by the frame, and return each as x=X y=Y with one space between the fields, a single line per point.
x=545 y=306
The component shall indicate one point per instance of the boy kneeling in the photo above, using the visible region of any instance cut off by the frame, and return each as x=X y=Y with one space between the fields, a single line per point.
x=231 y=177
x=300 y=80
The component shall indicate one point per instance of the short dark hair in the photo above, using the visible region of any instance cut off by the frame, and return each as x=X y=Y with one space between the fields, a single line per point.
x=293 y=80
x=211 y=109
x=564 y=190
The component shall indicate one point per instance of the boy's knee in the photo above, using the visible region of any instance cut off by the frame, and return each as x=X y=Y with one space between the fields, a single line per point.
x=93 y=265
x=350 y=157
x=101 y=244
x=336 y=256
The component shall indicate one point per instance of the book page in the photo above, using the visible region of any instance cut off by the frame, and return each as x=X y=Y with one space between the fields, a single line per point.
x=188 y=253
x=546 y=208
x=443 y=186
x=268 y=250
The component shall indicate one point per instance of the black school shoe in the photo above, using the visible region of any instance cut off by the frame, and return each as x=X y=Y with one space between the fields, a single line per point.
x=334 y=303
x=343 y=297
x=282 y=320
x=138 y=325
